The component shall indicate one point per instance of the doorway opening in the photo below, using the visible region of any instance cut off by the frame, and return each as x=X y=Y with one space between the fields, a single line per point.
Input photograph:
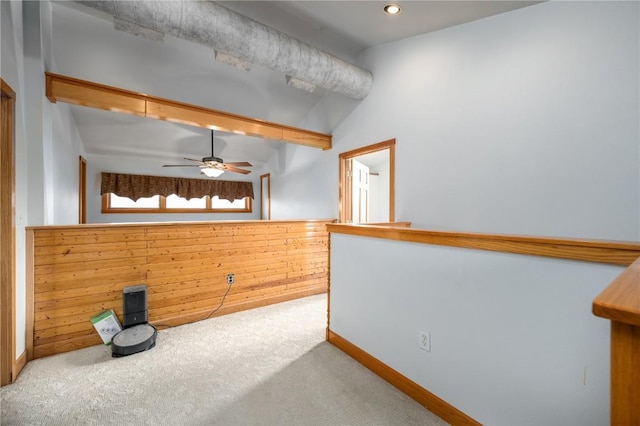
x=367 y=184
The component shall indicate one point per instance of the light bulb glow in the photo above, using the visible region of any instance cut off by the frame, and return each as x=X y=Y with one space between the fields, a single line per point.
x=212 y=172
x=392 y=9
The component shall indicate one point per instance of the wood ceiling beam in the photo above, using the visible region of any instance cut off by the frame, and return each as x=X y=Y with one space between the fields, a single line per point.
x=70 y=90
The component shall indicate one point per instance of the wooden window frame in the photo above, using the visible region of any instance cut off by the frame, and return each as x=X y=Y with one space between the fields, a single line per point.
x=106 y=207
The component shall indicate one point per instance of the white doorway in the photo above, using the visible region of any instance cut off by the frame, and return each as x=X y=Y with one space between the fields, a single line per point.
x=367 y=177
x=359 y=191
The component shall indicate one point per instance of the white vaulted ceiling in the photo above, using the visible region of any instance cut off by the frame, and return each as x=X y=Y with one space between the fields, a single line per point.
x=87 y=46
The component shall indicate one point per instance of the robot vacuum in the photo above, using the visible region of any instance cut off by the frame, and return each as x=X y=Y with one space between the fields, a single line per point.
x=137 y=334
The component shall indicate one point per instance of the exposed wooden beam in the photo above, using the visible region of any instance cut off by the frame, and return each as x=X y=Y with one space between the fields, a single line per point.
x=70 y=90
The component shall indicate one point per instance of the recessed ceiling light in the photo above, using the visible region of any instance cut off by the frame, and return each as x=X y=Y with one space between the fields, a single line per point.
x=392 y=9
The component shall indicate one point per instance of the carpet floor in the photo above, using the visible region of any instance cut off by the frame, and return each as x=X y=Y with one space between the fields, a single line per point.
x=266 y=366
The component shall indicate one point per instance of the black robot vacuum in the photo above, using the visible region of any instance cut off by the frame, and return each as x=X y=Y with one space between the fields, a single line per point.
x=137 y=334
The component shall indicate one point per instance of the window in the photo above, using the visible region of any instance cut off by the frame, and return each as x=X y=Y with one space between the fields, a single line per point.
x=112 y=203
x=175 y=202
x=162 y=194
x=116 y=202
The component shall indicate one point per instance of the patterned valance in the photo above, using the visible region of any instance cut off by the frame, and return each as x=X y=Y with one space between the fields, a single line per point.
x=142 y=186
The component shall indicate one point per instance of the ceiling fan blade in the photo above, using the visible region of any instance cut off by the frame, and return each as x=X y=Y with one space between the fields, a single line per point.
x=191 y=159
x=228 y=168
x=238 y=163
x=214 y=162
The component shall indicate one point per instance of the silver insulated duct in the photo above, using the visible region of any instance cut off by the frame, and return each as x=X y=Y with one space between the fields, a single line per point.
x=210 y=24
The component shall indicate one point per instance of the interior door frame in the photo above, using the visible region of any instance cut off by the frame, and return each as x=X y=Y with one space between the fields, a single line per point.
x=265 y=179
x=7 y=237
x=344 y=189
x=82 y=190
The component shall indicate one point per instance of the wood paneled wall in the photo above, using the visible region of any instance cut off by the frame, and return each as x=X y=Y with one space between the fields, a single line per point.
x=79 y=271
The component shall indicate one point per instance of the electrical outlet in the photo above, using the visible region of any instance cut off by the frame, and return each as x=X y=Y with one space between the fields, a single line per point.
x=231 y=279
x=424 y=341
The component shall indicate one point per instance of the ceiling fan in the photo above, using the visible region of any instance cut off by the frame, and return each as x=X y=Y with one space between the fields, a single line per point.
x=214 y=166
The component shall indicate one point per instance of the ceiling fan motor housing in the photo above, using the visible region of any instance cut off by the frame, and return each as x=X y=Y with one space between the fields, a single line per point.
x=212 y=160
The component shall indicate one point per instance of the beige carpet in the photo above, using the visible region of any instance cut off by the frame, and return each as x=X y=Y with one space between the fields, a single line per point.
x=267 y=366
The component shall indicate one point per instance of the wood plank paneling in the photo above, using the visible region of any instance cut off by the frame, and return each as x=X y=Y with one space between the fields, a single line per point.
x=79 y=271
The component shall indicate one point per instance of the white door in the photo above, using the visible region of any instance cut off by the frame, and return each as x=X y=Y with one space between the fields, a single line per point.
x=360 y=192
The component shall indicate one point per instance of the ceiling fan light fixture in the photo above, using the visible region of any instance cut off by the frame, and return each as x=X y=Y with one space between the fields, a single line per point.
x=392 y=9
x=212 y=172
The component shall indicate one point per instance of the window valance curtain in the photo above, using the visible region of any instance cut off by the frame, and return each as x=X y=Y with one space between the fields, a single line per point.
x=142 y=186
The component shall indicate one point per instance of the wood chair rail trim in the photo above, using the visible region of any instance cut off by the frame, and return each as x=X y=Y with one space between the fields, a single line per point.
x=602 y=251
x=74 y=91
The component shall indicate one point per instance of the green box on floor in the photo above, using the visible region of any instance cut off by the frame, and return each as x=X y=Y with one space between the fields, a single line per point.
x=107 y=325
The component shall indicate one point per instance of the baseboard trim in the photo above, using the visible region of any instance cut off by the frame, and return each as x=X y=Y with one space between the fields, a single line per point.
x=441 y=408
x=18 y=365
x=231 y=308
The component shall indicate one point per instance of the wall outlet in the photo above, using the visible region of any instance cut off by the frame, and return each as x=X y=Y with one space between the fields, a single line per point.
x=424 y=341
x=231 y=279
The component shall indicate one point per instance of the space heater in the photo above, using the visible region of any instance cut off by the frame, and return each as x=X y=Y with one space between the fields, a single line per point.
x=137 y=334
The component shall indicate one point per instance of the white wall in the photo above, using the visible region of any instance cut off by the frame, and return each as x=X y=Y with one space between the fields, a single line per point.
x=65 y=166
x=96 y=164
x=526 y=123
x=513 y=340
x=12 y=72
x=299 y=183
x=47 y=144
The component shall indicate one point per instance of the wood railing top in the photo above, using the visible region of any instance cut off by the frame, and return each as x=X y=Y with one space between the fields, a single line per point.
x=621 y=300
x=613 y=252
x=148 y=224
